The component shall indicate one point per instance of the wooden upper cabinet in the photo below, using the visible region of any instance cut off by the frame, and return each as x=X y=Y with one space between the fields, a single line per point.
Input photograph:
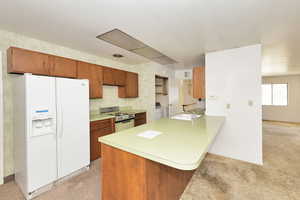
x=62 y=67
x=26 y=61
x=120 y=77
x=108 y=77
x=113 y=76
x=94 y=74
x=131 y=88
x=199 y=82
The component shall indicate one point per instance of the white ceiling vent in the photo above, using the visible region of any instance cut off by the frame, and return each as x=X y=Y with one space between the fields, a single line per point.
x=125 y=41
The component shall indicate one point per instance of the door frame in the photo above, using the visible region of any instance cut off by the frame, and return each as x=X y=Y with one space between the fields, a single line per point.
x=1 y=124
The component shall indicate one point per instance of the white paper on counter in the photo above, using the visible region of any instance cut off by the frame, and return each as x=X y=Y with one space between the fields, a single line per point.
x=149 y=134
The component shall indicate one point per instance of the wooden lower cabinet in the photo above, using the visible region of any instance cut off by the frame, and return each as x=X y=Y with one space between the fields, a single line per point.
x=126 y=176
x=98 y=129
x=140 y=119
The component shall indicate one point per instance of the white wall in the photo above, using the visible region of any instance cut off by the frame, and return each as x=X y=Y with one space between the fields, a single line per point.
x=289 y=113
x=233 y=81
x=181 y=74
x=1 y=123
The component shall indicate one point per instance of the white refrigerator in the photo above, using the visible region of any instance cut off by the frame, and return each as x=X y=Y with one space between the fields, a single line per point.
x=51 y=130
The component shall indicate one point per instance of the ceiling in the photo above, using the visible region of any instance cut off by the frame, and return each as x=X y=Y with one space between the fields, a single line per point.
x=181 y=29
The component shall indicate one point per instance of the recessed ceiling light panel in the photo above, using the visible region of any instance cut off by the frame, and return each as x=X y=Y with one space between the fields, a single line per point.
x=125 y=41
x=121 y=39
x=148 y=52
x=164 y=60
x=116 y=55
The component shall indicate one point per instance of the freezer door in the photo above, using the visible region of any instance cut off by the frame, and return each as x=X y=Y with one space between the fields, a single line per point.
x=73 y=141
x=41 y=131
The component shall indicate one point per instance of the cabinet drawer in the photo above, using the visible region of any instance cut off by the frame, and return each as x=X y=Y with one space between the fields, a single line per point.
x=140 y=115
x=101 y=125
x=103 y=131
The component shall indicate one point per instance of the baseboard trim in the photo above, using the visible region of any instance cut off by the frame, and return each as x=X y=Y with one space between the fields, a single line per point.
x=9 y=178
x=266 y=120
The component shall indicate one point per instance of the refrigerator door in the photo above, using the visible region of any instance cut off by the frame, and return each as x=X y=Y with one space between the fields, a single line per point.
x=73 y=141
x=41 y=131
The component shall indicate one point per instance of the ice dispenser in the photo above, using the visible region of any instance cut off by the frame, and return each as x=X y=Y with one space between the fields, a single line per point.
x=42 y=123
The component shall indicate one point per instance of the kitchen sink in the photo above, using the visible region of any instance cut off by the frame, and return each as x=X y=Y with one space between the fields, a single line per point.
x=185 y=116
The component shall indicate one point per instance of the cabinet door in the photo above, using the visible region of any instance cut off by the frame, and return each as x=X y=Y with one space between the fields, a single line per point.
x=132 y=84
x=98 y=129
x=140 y=119
x=63 y=67
x=108 y=76
x=97 y=81
x=199 y=82
x=119 y=77
x=131 y=88
x=94 y=74
x=95 y=145
x=25 y=61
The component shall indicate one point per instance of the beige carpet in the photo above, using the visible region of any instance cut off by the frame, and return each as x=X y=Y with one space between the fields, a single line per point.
x=218 y=178
x=85 y=186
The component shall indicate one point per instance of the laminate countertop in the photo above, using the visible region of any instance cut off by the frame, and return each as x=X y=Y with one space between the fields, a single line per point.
x=97 y=117
x=181 y=144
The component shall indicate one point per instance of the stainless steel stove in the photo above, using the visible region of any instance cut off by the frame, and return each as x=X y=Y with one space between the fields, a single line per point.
x=123 y=120
x=122 y=116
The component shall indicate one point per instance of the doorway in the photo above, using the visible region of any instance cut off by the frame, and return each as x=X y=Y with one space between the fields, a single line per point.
x=1 y=123
x=161 y=97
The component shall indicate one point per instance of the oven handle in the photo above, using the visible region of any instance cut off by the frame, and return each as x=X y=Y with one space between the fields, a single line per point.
x=125 y=121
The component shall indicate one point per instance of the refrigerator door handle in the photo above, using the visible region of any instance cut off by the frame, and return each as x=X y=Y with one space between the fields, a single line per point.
x=61 y=123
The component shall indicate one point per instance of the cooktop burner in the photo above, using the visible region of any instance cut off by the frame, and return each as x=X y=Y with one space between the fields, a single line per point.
x=115 y=111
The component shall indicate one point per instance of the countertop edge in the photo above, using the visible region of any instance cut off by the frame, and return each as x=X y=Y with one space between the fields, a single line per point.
x=180 y=166
x=186 y=167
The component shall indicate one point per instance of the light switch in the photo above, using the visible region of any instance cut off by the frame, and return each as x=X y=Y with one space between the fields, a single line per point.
x=212 y=97
x=250 y=103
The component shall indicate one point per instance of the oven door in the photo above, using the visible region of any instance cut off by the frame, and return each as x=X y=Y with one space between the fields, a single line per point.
x=123 y=125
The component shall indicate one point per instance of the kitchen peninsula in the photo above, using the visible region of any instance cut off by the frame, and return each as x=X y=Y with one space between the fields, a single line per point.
x=155 y=161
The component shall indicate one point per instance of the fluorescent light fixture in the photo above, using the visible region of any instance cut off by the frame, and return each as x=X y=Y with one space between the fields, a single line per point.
x=148 y=52
x=121 y=39
x=164 y=60
x=125 y=41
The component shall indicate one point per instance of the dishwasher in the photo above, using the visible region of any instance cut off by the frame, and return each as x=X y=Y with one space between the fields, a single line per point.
x=123 y=125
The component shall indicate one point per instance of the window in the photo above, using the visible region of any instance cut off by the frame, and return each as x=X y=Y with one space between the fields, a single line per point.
x=275 y=94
